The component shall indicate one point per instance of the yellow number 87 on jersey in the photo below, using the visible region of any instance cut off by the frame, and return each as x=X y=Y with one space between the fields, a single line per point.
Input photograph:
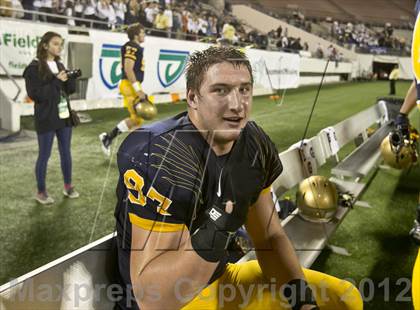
x=135 y=183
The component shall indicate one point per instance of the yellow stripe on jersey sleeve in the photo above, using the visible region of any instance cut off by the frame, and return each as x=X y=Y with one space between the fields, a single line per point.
x=154 y=225
x=266 y=190
x=131 y=56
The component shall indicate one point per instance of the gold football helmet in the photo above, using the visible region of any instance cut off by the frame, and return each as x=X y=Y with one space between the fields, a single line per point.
x=399 y=157
x=317 y=199
x=145 y=109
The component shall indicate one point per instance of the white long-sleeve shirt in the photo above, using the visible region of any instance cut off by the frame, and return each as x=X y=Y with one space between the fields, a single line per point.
x=102 y=10
x=90 y=8
x=170 y=17
x=120 y=9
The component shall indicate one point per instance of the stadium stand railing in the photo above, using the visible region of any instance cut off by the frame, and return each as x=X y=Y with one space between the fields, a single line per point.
x=100 y=25
x=56 y=17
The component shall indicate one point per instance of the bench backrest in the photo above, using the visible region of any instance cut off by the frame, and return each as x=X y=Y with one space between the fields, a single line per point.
x=82 y=279
x=348 y=129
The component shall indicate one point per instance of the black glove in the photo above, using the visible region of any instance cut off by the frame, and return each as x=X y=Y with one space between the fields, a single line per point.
x=239 y=182
x=211 y=239
x=402 y=124
x=298 y=294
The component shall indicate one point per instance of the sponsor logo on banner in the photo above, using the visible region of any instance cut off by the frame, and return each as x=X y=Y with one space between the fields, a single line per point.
x=18 y=43
x=110 y=65
x=18 y=49
x=171 y=65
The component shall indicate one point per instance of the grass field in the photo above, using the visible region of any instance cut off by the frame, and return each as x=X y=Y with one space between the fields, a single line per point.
x=32 y=235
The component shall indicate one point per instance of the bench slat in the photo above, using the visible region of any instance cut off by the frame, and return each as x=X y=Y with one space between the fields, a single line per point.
x=359 y=162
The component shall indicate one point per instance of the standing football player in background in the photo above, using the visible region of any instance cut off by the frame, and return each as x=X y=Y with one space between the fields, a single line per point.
x=130 y=86
x=393 y=77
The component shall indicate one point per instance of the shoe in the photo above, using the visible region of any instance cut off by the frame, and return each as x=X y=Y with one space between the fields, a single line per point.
x=44 y=199
x=105 y=143
x=71 y=193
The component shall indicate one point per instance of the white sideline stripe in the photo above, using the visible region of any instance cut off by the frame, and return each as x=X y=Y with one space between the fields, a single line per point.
x=56 y=262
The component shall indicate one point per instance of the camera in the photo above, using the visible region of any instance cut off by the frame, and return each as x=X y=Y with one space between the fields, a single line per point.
x=74 y=74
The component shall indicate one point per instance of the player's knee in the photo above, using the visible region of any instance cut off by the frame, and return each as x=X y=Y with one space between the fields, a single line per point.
x=330 y=290
x=129 y=100
x=349 y=295
x=126 y=89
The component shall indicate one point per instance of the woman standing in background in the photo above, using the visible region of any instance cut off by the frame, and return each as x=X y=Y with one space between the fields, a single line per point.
x=48 y=85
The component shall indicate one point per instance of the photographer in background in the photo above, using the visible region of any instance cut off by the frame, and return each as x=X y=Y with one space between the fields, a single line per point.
x=48 y=85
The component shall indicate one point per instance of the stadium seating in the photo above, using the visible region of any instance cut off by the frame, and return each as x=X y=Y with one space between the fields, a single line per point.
x=386 y=11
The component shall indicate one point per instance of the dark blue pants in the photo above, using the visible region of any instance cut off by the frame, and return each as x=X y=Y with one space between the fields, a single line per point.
x=45 y=143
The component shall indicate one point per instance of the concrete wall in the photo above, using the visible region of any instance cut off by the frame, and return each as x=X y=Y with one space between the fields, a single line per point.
x=9 y=113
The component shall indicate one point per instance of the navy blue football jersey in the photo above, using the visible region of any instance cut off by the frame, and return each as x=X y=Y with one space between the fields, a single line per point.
x=169 y=176
x=133 y=51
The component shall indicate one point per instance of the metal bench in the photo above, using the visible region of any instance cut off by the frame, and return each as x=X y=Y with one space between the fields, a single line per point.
x=308 y=238
x=361 y=161
x=83 y=279
x=367 y=154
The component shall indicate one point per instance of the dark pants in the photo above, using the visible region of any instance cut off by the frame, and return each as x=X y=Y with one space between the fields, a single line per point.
x=30 y=7
x=45 y=143
x=392 y=87
x=45 y=18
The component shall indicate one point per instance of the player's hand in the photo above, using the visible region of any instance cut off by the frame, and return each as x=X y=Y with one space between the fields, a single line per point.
x=402 y=124
x=141 y=95
x=62 y=76
x=299 y=295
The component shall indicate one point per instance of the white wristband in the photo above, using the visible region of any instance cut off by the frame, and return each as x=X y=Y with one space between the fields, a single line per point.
x=137 y=86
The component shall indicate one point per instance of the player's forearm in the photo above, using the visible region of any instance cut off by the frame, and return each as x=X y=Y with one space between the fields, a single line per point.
x=278 y=259
x=131 y=75
x=172 y=279
x=409 y=100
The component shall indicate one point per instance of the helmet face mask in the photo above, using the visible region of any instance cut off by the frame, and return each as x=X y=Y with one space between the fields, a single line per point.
x=317 y=199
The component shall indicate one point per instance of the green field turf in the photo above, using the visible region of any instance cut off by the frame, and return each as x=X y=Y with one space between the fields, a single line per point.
x=32 y=235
